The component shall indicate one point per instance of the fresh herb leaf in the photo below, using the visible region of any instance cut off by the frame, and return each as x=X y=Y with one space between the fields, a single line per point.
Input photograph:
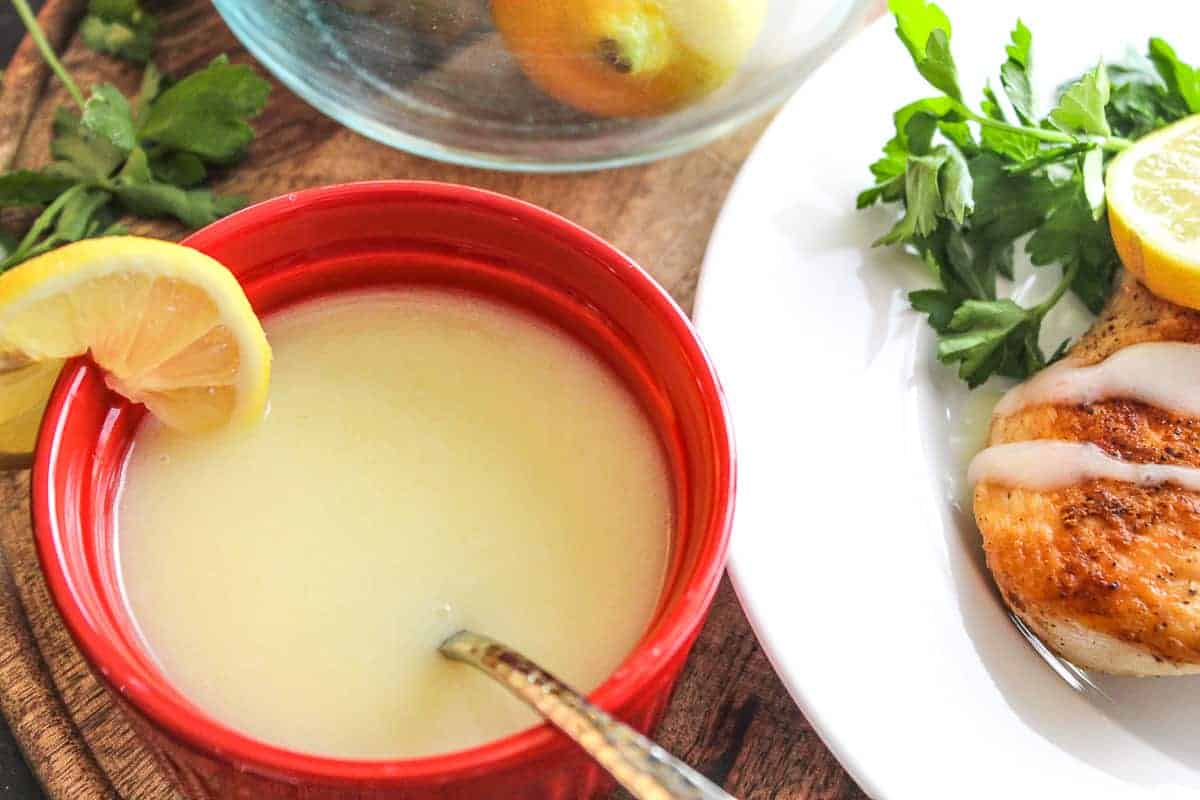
x=1020 y=50
x=206 y=113
x=925 y=31
x=193 y=207
x=939 y=304
x=937 y=108
x=957 y=265
x=71 y=216
x=956 y=186
x=147 y=157
x=985 y=337
x=1073 y=237
x=1092 y=168
x=1015 y=146
x=79 y=216
x=938 y=65
x=106 y=114
x=889 y=171
x=1018 y=146
x=960 y=134
x=1015 y=74
x=916 y=20
x=1081 y=109
x=1136 y=108
x=1182 y=80
x=179 y=168
x=138 y=190
x=1141 y=100
x=120 y=28
x=93 y=156
x=923 y=198
x=31 y=188
x=918 y=132
x=1007 y=206
x=974 y=184
x=116 y=38
x=153 y=83
x=887 y=192
x=889 y=175
x=993 y=256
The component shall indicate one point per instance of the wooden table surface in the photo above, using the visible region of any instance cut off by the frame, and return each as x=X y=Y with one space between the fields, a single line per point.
x=730 y=715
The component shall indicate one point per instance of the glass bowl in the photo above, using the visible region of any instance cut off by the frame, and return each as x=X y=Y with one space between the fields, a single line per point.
x=542 y=85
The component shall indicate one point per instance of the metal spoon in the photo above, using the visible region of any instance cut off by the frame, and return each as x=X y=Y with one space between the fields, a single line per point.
x=646 y=770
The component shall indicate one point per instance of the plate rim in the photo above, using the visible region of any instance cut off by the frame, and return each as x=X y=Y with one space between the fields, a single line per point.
x=858 y=770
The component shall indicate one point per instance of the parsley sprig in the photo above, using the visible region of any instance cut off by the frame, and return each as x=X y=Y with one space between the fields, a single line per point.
x=120 y=28
x=148 y=155
x=974 y=181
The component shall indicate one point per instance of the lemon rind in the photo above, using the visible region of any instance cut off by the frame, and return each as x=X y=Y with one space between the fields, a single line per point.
x=53 y=272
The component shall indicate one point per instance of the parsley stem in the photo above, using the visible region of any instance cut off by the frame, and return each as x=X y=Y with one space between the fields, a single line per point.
x=1116 y=143
x=1113 y=143
x=43 y=46
x=1067 y=279
x=1062 y=154
x=43 y=221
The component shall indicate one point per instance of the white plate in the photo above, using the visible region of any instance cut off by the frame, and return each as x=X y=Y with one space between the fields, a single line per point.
x=861 y=575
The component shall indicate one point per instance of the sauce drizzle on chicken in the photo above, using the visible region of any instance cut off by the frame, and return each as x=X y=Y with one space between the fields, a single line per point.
x=1047 y=465
x=1161 y=374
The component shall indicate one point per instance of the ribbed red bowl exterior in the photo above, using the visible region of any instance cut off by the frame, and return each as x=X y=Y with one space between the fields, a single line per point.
x=355 y=236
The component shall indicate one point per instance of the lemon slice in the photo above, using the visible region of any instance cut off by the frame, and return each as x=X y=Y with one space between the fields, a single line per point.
x=170 y=327
x=1153 y=193
x=23 y=396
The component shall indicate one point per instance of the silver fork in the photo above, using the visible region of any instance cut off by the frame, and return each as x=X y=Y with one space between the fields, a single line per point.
x=1076 y=678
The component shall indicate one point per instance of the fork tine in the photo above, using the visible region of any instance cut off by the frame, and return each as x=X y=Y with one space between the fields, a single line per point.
x=1076 y=678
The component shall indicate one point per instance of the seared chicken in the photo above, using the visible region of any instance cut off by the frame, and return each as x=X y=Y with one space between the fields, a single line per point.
x=1106 y=573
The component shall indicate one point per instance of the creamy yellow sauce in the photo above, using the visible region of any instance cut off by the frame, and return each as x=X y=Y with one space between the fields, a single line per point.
x=428 y=462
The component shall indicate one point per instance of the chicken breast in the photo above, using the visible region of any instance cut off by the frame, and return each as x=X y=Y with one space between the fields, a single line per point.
x=1106 y=573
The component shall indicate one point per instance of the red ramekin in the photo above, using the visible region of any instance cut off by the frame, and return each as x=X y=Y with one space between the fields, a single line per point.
x=377 y=234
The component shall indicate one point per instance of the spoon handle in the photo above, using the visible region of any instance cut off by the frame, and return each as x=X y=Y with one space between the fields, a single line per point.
x=646 y=770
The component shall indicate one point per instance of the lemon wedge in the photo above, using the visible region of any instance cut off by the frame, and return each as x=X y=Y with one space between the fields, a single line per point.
x=170 y=327
x=1153 y=193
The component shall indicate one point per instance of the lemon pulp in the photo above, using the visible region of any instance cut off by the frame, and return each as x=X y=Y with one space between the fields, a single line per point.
x=170 y=326
x=1153 y=193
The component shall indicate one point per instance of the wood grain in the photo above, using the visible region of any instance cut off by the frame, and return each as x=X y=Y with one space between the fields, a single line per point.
x=730 y=716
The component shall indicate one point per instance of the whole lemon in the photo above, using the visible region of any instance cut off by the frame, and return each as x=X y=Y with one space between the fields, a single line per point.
x=628 y=58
